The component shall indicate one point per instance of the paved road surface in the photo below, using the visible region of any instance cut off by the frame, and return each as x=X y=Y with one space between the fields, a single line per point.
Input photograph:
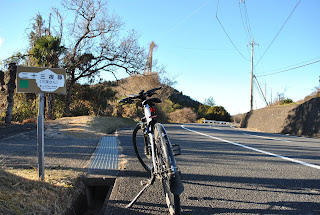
x=18 y=148
x=229 y=171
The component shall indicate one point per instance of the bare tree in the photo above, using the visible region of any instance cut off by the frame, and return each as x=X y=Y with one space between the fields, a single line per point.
x=95 y=44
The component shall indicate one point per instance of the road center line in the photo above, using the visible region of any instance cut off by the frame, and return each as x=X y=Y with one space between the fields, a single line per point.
x=269 y=138
x=257 y=150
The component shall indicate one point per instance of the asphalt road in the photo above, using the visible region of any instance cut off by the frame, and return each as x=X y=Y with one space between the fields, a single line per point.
x=228 y=171
x=18 y=148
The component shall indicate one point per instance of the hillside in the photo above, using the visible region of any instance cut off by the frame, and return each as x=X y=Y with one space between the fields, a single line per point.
x=101 y=100
x=183 y=100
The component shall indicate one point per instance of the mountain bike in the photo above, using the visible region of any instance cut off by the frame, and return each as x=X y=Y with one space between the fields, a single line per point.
x=155 y=152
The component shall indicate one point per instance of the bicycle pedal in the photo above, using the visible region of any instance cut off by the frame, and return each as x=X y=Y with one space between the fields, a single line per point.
x=176 y=149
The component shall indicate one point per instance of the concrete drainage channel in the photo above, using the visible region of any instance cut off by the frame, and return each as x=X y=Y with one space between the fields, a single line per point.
x=101 y=175
x=97 y=194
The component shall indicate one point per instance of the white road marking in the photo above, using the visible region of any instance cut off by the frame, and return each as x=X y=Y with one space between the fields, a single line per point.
x=215 y=127
x=270 y=138
x=257 y=150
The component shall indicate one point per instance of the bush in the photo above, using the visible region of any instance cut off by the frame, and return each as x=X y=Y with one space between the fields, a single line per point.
x=24 y=108
x=286 y=101
x=217 y=113
x=80 y=108
x=130 y=111
x=201 y=120
x=185 y=115
x=94 y=97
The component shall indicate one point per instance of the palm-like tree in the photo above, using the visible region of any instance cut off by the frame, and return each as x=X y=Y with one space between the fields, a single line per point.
x=45 y=53
x=47 y=50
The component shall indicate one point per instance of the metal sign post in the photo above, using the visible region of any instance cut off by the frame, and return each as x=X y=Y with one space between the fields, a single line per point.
x=40 y=135
x=41 y=80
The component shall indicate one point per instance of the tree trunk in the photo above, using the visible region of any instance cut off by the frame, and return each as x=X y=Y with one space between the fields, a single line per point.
x=50 y=105
x=68 y=99
x=2 y=80
x=11 y=86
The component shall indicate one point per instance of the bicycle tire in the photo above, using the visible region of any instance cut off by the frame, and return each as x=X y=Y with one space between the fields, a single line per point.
x=140 y=141
x=165 y=163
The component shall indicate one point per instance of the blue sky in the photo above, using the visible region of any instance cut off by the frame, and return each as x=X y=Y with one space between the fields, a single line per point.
x=197 y=52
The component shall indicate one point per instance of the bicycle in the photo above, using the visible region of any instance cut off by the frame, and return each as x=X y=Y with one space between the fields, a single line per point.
x=155 y=152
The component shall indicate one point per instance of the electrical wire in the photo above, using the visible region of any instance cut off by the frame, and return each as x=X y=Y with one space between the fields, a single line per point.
x=184 y=19
x=198 y=48
x=243 y=23
x=228 y=34
x=317 y=61
x=278 y=32
x=247 y=19
x=246 y=23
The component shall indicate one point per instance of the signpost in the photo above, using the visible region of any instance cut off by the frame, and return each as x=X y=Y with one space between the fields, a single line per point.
x=41 y=80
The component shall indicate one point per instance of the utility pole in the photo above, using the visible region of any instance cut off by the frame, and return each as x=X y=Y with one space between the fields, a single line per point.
x=251 y=94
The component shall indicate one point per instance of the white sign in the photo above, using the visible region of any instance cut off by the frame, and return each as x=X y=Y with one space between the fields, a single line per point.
x=46 y=80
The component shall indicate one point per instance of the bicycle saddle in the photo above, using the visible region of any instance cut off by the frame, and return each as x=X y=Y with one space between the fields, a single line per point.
x=151 y=101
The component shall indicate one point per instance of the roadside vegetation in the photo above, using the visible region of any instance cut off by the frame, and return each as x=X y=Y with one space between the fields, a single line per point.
x=21 y=192
x=91 y=42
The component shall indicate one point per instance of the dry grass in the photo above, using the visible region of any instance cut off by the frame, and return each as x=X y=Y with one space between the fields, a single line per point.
x=86 y=126
x=22 y=193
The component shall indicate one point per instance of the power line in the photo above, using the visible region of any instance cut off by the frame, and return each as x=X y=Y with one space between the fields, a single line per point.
x=243 y=23
x=228 y=34
x=278 y=32
x=317 y=61
x=198 y=48
x=297 y=64
x=184 y=19
x=246 y=23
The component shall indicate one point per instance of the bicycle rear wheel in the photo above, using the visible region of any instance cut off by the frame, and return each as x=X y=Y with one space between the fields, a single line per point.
x=142 y=148
x=167 y=170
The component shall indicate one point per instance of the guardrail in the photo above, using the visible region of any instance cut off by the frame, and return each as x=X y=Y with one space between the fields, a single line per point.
x=220 y=122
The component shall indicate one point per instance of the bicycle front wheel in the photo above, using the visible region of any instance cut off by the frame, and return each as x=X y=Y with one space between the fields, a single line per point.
x=142 y=148
x=167 y=170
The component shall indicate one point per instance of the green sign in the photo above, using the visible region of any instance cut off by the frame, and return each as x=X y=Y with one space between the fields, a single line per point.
x=41 y=80
x=24 y=83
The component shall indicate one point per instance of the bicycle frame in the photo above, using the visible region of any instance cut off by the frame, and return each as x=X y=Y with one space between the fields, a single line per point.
x=163 y=162
x=149 y=131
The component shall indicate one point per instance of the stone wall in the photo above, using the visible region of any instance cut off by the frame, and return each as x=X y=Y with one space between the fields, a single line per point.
x=301 y=120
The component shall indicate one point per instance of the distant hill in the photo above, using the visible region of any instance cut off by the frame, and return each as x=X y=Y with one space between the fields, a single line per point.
x=184 y=100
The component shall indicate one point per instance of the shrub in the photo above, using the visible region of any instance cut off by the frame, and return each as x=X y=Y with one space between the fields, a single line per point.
x=80 y=108
x=95 y=97
x=286 y=101
x=185 y=115
x=217 y=113
x=129 y=111
x=201 y=120
x=24 y=108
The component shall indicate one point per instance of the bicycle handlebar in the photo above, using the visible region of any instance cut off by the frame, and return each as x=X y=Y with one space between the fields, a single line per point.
x=142 y=96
